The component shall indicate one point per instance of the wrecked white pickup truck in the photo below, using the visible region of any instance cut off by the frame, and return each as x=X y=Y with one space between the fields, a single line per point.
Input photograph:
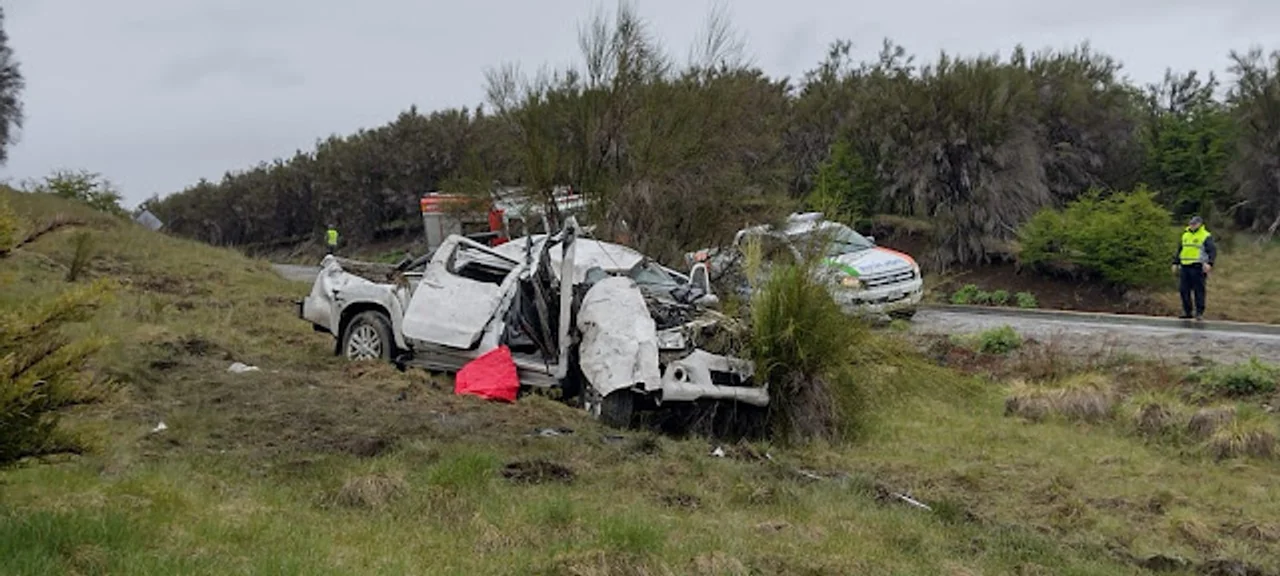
x=610 y=335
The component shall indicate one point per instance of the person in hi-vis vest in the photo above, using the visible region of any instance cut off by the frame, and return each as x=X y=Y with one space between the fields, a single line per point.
x=1193 y=261
x=331 y=240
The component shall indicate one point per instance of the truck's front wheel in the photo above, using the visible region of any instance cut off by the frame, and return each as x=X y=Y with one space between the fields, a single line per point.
x=368 y=337
x=616 y=410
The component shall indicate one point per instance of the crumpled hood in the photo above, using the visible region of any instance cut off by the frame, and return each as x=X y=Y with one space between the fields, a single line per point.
x=872 y=262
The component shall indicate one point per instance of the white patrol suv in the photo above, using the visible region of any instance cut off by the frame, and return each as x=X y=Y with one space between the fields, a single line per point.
x=865 y=279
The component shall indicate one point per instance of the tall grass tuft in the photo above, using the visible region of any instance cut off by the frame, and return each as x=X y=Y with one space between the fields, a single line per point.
x=802 y=344
x=84 y=249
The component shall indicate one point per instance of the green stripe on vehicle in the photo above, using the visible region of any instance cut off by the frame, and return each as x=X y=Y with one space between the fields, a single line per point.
x=847 y=269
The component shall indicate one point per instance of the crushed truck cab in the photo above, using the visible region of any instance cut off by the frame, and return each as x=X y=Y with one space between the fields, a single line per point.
x=620 y=338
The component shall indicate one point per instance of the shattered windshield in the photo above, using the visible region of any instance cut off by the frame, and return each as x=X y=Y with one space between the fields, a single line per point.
x=654 y=280
x=649 y=275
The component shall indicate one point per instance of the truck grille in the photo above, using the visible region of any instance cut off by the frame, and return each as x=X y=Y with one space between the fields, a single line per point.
x=889 y=279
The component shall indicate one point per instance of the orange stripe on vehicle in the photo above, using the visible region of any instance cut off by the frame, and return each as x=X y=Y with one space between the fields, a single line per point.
x=905 y=256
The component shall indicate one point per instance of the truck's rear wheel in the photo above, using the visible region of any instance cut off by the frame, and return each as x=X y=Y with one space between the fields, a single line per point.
x=368 y=337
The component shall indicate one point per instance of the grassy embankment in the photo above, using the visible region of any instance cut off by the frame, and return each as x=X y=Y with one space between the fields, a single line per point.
x=314 y=466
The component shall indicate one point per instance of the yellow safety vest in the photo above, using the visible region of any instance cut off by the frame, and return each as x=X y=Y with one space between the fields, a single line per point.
x=332 y=237
x=1193 y=246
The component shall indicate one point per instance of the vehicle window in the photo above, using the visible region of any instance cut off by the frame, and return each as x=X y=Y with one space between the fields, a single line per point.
x=476 y=264
x=836 y=239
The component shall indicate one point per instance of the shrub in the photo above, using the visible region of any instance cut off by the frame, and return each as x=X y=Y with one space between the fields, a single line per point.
x=1252 y=378
x=999 y=298
x=967 y=294
x=1000 y=340
x=41 y=371
x=8 y=228
x=1026 y=300
x=1123 y=238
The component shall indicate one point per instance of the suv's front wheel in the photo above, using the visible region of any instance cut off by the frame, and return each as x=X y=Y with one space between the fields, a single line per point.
x=368 y=337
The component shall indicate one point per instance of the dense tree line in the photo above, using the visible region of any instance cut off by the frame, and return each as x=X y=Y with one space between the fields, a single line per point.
x=679 y=154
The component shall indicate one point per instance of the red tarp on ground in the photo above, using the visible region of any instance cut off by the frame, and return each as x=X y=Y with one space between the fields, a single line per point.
x=492 y=376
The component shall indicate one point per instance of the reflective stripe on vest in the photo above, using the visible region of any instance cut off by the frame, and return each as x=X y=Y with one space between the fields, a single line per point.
x=1193 y=246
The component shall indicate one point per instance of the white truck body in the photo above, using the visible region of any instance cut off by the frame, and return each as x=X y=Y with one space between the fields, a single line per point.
x=526 y=294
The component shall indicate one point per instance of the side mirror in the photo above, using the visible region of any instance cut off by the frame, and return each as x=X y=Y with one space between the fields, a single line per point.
x=871 y=239
x=700 y=278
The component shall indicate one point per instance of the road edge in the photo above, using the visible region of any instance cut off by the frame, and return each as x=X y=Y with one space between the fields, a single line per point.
x=1110 y=318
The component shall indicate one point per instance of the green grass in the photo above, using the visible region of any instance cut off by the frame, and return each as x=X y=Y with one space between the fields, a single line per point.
x=315 y=466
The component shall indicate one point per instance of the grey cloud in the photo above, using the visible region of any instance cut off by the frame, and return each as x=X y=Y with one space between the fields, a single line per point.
x=251 y=70
x=156 y=94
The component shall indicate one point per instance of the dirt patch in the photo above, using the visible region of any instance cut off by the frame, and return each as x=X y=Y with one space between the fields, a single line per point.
x=171 y=285
x=370 y=447
x=1052 y=293
x=681 y=500
x=537 y=472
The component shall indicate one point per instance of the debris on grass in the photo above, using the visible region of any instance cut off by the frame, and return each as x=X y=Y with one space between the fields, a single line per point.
x=537 y=472
x=682 y=500
x=241 y=368
x=373 y=491
x=550 y=432
x=886 y=494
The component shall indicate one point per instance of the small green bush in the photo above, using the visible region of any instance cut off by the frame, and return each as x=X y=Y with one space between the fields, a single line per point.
x=966 y=295
x=1002 y=340
x=41 y=371
x=1026 y=300
x=999 y=298
x=1123 y=238
x=1252 y=378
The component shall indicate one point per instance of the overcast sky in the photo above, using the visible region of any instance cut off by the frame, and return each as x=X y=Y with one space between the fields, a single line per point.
x=155 y=94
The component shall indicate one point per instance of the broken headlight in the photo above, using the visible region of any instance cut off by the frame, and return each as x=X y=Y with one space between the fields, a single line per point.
x=672 y=339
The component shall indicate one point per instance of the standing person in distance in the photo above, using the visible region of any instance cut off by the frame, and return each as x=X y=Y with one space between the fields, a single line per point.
x=1193 y=261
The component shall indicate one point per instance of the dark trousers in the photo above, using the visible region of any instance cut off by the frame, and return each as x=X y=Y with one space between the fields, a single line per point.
x=1191 y=283
x=331 y=248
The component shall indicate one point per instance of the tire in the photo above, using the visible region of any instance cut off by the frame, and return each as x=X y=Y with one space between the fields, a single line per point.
x=903 y=314
x=617 y=410
x=367 y=337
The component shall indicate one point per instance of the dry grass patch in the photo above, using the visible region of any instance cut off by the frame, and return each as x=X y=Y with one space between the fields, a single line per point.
x=1248 y=434
x=373 y=491
x=1081 y=398
x=1157 y=414
x=1206 y=422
